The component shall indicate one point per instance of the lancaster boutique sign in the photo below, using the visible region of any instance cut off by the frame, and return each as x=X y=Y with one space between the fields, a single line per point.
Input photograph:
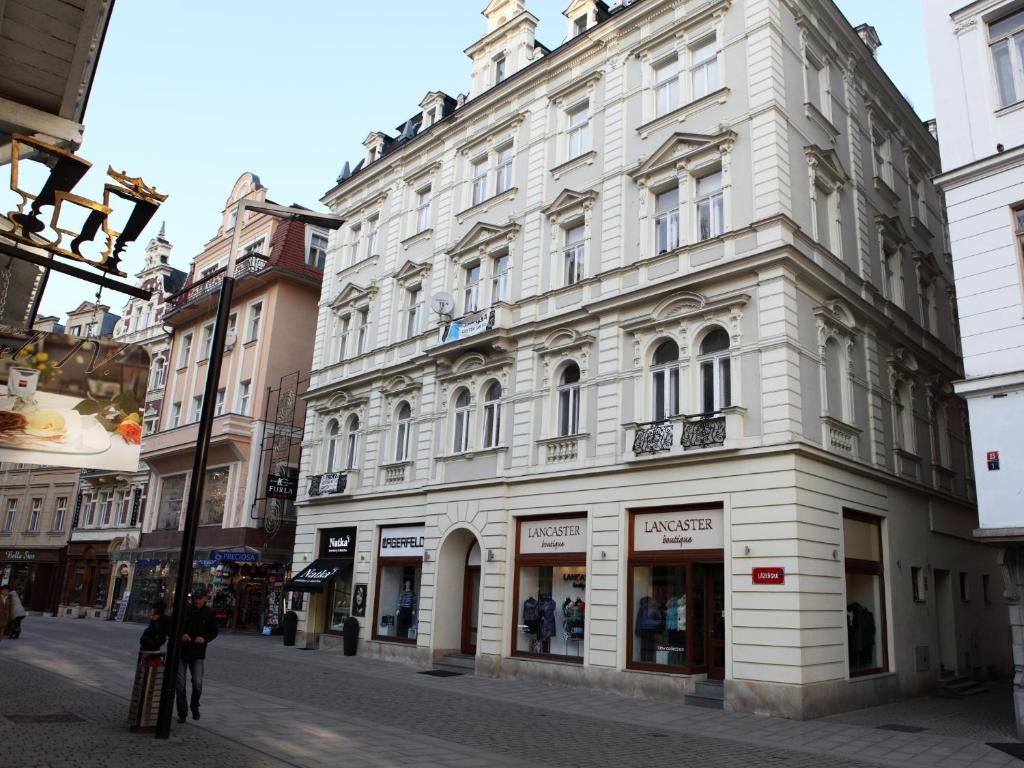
x=551 y=536
x=678 y=530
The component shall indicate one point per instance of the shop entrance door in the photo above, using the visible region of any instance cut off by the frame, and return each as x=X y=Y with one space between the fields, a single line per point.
x=714 y=625
x=471 y=600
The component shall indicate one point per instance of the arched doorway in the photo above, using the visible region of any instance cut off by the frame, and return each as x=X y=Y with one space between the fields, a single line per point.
x=471 y=600
x=457 y=594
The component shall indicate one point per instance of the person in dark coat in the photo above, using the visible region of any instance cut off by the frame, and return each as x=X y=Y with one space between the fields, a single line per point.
x=158 y=630
x=199 y=628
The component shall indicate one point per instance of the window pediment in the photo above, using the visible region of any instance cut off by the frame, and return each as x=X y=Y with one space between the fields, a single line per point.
x=358 y=209
x=412 y=272
x=498 y=133
x=340 y=402
x=352 y=295
x=569 y=201
x=679 y=151
x=420 y=174
x=927 y=267
x=483 y=237
x=891 y=230
x=827 y=163
x=471 y=370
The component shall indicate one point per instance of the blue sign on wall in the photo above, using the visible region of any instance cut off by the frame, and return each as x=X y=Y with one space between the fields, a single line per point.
x=236 y=557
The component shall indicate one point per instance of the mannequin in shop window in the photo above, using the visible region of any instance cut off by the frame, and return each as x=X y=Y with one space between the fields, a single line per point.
x=650 y=622
x=675 y=626
x=860 y=630
x=573 y=611
x=546 y=608
x=406 y=606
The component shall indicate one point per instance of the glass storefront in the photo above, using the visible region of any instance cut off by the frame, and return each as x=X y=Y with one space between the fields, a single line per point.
x=339 y=600
x=865 y=593
x=215 y=492
x=660 y=614
x=551 y=588
x=172 y=495
x=399 y=573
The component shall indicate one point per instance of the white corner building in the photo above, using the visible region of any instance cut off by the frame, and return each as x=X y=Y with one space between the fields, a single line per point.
x=634 y=370
x=976 y=52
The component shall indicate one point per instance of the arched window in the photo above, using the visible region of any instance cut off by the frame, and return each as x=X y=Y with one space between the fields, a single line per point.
x=352 y=442
x=332 y=447
x=492 y=415
x=834 y=399
x=715 y=374
x=463 y=404
x=402 y=432
x=665 y=380
x=903 y=423
x=569 y=401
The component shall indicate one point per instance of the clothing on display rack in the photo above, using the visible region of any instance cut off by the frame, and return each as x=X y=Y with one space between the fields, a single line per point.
x=860 y=630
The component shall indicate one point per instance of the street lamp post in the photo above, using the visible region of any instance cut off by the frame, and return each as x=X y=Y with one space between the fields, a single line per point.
x=195 y=495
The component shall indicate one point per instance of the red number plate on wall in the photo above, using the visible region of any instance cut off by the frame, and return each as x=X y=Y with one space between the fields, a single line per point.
x=769 y=575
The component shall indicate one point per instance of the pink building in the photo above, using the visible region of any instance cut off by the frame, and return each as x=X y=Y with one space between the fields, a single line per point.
x=245 y=540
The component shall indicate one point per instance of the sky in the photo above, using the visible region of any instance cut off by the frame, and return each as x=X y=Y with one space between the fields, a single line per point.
x=190 y=95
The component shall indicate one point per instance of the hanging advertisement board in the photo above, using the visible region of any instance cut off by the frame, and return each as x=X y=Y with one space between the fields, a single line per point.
x=71 y=401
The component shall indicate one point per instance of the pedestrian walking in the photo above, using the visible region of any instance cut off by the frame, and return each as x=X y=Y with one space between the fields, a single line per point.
x=6 y=612
x=158 y=629
x=199 y=628
x=18 y=613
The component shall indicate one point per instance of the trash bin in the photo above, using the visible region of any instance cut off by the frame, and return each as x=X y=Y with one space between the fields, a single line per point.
x=289 y=626
x=145 y=702
x=350 y=628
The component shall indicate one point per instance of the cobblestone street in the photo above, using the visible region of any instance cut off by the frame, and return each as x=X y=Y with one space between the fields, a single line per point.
x=266 y=705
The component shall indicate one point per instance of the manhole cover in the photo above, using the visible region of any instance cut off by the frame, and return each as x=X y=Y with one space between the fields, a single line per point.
x=900 y=728
x=440 y=673
x=56 y=717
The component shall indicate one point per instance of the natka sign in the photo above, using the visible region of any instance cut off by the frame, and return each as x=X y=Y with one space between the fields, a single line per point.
x=338 y=542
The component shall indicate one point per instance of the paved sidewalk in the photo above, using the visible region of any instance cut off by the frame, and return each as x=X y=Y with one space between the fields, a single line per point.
x=313 y=708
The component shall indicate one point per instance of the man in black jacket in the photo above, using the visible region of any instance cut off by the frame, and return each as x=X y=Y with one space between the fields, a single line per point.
x=199 y=629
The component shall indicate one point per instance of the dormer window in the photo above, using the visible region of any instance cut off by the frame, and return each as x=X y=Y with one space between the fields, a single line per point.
x=579 y=26
x=500 y=72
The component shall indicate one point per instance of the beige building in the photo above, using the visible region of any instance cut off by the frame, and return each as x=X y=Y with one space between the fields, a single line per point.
x=245 y=539
x=633 y=370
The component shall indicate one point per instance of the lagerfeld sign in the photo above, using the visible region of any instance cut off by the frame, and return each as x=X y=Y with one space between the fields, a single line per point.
x=678 y=530
x=402 y=541
x=550 y=536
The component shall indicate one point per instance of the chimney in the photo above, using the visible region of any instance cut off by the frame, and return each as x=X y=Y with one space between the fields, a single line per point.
x=870 y=37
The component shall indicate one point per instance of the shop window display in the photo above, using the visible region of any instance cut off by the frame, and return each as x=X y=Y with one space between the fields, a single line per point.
x=553 y=610
x=398 y=601
x=339 y=600
x=865 y=598
x=659 y=609
x=215 y=491
x=172 y=495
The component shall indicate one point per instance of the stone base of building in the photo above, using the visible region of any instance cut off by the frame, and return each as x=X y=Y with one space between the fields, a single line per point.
x=806 y=702
x=82 y=612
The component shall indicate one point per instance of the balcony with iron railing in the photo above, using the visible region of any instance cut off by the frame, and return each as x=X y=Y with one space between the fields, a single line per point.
x=249 y=265
x=685 y=433
x=332 y=483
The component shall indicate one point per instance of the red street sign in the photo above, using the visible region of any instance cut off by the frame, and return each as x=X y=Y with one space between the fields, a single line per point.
x=769 y=575
x=992 y=456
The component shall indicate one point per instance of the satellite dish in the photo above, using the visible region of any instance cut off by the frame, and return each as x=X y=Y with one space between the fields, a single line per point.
x=442 y=303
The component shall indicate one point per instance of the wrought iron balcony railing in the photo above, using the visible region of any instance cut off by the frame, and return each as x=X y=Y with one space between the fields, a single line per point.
x=652 y=438
x=706 y=430
x=252 y=264
x=328 y=484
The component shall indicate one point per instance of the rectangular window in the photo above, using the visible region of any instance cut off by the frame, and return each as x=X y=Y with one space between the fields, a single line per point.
x=89 y=510
x=479 y=182
x=499 y=69
x=175 y=416
x=551 y=589
x=666 y=220
x=159 y=374
x=471 y=293
x=579 y=131
x=355 y=236
x=316 y=254
x=255 y=315
x=172 y=494
x=882 y=156
x=61 y=513
x=215 y=492
x=185 y=350
x=207 y=342
x=244 y=389
x=865 y=594
x=124 y=507
x=1018 y=219
x=372 y=231
x=965 y=588
x=255 y=248
x=704 y=68
x=499 y=279
x=364 y=321
x=579 y=26
x=710 y=206
x=218 y=407
x=917 y=584
x=344 y=329
x=105 y=508
x=504 y=180
x=197 y=409
x=1006 y=36
x=423 y=209
x=12 y=512
x=33 y=515
x=822 y=210
x=815 y=84
x=414 y=310
x=399 y=573
x=666 y=87
x=575 y=253
x=893 y=265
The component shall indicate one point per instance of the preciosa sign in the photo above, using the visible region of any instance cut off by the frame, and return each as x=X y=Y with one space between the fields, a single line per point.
x=678 y=530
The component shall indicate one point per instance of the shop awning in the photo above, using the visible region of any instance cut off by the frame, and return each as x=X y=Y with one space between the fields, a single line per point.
x=313 y=577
